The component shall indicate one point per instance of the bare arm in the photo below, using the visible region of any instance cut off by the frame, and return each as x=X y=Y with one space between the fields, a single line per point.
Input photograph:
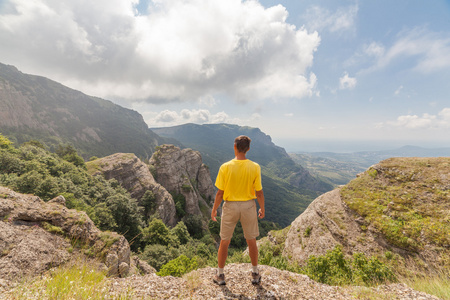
x=217 y=201
x=260 y=199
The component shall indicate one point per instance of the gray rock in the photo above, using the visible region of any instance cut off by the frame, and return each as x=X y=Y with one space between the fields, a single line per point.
x=35 y=235
x=182 y=172
x=60 y=200
x=135 y=176
x=124 y=269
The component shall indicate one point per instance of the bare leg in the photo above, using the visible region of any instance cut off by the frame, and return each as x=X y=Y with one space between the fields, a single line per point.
x=253 y=251
x=223 y=252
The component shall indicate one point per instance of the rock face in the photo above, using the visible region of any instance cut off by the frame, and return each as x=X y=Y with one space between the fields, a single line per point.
x=135 y=176
x=328 y=222
x=397 y=207
x=37 y=235
x=182 y=172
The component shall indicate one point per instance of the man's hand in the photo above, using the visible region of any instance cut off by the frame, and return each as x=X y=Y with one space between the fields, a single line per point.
x=217 y=201
x=213 y=215
x=261 y=213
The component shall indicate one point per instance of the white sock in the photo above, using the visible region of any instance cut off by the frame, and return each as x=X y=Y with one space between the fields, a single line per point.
x=220 y=270
x=255 y=269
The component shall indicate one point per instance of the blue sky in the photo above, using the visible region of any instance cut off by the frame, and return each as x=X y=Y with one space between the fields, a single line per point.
x=314 y=75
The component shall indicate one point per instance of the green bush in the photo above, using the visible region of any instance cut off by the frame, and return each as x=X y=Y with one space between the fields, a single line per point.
x=148 y=202
x=333 y=269
x=181 y=232
x=5 y=143
x=156 y=233
x=194 y=224
x=371 y=271
x=180 y=204
x=158 y=255
x=179 y=266
x=214 y=227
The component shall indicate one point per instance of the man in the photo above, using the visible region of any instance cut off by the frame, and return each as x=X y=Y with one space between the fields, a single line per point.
x=239 y=183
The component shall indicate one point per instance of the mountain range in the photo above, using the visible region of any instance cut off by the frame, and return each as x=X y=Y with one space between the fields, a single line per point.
x=36 y=108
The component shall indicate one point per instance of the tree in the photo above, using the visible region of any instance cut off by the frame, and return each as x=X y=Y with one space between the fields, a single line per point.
x=194 y=225
x=127 y=215
x=70 y=154
x=181 y=232
x=156 y=233
x=5 y=143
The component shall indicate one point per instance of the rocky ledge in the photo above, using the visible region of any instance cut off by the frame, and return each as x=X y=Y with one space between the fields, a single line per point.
x=275 y=284
x=36 y=236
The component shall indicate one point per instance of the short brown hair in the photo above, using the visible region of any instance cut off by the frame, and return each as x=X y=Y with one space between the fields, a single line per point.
x=242 y=143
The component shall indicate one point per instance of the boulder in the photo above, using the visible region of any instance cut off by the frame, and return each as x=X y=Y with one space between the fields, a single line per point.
x=36 y=236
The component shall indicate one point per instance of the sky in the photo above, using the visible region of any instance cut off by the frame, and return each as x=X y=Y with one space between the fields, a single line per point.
x=319 y=75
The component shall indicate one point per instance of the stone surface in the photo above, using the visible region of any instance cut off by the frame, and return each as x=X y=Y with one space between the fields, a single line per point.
x=136 y=178
x=182 y=172
x=36 y=236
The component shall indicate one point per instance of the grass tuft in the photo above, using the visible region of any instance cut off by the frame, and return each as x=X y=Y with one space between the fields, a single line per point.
x=78 y=280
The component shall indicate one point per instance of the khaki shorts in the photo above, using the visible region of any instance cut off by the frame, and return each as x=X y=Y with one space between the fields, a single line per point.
x=232 y=212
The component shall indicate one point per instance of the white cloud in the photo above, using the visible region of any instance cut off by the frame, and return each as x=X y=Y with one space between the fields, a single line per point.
x=397 y=92
x=430 y=51
x=426 y=121
x=374 y=49
x=347 y=82
x=320 y=19
x=183 y=50
x=198 y=116
x=166 y=116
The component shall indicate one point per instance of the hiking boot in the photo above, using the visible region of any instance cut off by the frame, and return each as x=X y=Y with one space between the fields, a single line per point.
x=256 y=278
x=219 y=279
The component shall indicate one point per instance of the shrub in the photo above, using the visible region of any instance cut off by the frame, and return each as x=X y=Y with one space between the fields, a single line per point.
x=158 y=255
x=181 y=232
x=194 y=225
x=156 y=233
x=370 y=271
x=214 y=227
x=5 y=143
x=148 y=202
x=179 y=266
x=331 y=268
x=180 y=204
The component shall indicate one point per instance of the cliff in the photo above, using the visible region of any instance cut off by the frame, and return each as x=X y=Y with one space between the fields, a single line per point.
x=134 y=175
x=182 y=172
x=397 y=209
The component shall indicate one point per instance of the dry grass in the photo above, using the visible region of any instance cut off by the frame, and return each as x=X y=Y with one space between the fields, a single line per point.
x=75 y=280
x=436 y=284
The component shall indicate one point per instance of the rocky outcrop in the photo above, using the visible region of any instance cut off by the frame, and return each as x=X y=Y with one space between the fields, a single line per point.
x=136 y=178
x=398 y=207
x=37 y=235
x=183 y=172
x=328 y=222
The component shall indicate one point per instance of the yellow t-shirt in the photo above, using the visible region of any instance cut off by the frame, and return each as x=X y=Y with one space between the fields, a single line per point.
x=239 y=179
